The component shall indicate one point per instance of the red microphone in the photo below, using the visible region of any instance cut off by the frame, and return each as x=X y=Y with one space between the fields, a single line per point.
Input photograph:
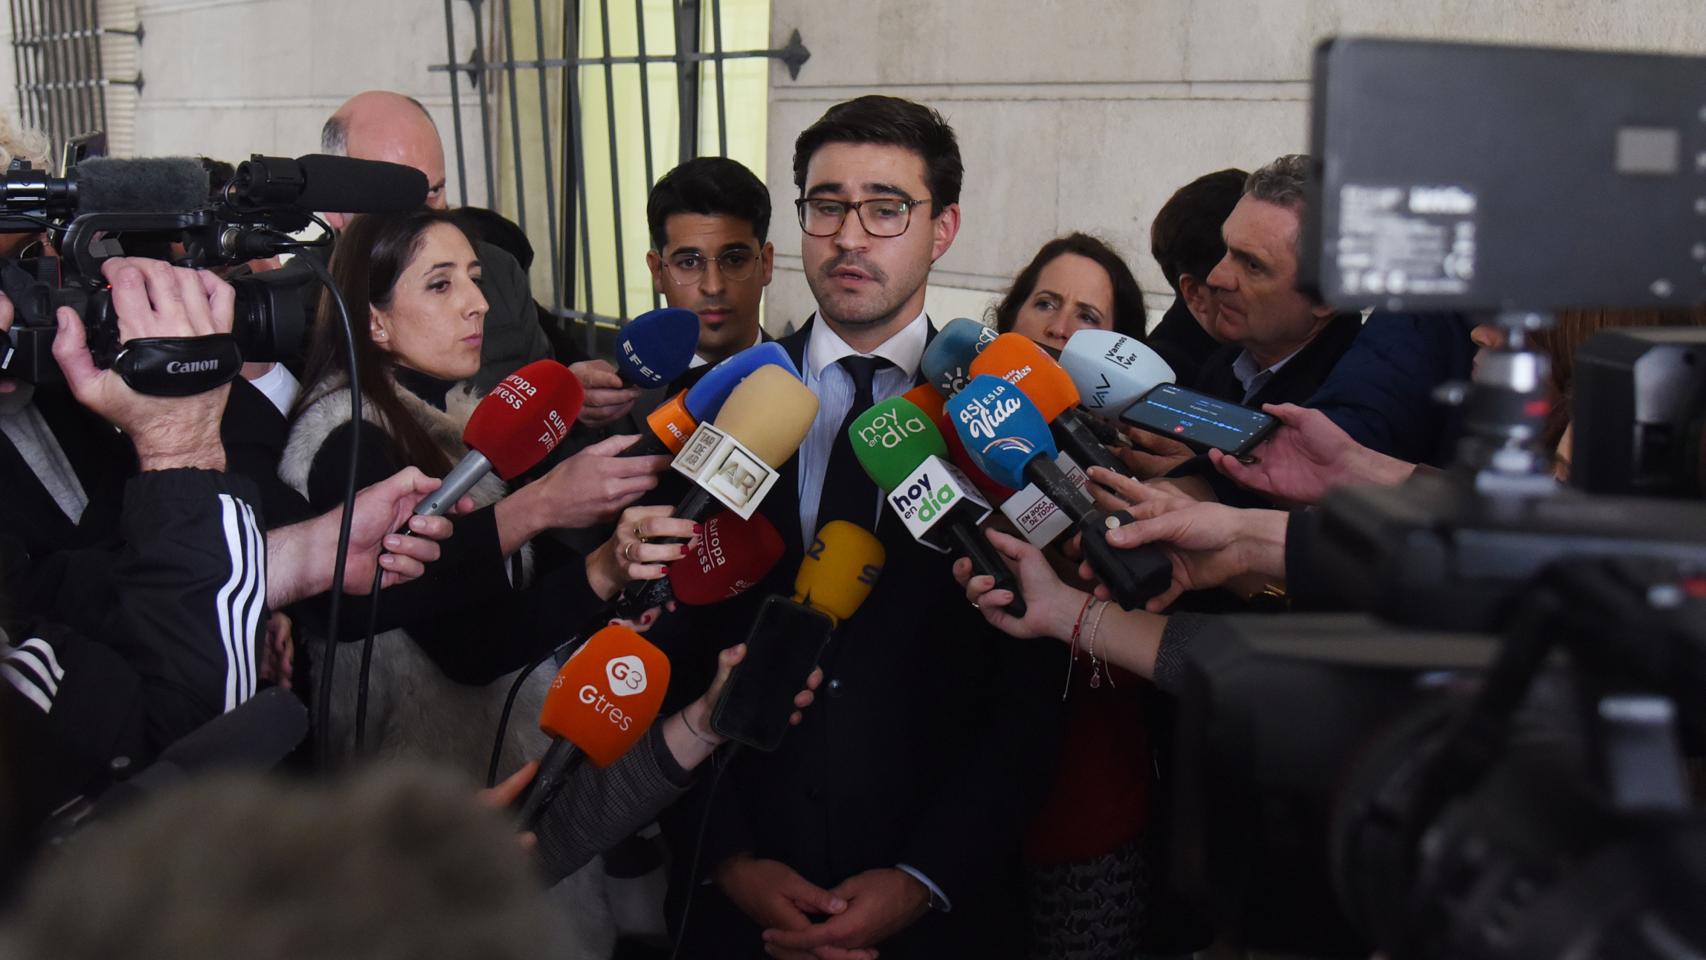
x=731 y=558
x=514 y=427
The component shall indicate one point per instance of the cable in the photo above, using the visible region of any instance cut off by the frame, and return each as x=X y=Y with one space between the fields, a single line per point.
x=323 y=706
x=722 y=761
x=366 y=661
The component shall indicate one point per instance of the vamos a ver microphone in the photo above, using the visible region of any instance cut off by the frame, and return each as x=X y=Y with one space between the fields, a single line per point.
x=521 y=421
x=675 y=419
x=600 y=704
x=904 y=453
x=1006 y=435
x=1111 y=370
x=788 y=636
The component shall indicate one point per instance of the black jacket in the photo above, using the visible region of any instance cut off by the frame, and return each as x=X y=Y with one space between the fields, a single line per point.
x=929 y=745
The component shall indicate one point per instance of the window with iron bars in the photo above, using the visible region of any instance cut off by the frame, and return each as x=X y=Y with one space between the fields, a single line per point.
x=77 y=68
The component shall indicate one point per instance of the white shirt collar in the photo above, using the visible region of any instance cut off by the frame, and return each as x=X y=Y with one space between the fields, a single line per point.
x=699 y=361
x=904 y=349
x=1245 y=369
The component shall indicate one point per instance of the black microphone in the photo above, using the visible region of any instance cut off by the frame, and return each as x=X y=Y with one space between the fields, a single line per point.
x=152 y=185
x=333 y=184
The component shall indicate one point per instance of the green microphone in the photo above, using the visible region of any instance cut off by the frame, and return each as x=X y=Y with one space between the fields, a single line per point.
x=903 y=452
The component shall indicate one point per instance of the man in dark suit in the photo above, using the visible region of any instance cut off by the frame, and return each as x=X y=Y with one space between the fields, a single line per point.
x=891 y=818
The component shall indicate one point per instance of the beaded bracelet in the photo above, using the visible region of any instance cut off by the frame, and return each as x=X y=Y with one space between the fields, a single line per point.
x=1090 y=648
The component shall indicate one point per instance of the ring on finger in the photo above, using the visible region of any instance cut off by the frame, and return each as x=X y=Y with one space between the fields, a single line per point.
x=638 y=535
x=628 y=553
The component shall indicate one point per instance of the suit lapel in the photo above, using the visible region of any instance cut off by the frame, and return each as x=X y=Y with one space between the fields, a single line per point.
x=782 y=505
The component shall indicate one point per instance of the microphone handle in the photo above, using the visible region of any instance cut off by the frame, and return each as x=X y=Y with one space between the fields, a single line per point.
x=984 y=560
x=647 y=446
x=457 y=482
x=1132 y=576
x=694 y=507
x=559 y=761
x=1080 y=443
x=651 y=593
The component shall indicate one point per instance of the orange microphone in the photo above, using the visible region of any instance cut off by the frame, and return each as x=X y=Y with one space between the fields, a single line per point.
x=601 y=703
x=1015 y=358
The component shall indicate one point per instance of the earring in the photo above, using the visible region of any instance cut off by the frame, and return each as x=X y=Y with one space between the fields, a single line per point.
x=378 y=334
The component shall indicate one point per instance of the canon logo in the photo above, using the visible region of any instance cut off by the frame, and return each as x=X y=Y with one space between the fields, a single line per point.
x=192 y=366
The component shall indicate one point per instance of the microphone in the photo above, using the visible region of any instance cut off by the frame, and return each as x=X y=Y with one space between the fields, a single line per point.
x=1016 y=359
x=153 y=185
x=334 y=184
x=1111 y=370
x=600 y=704
x=655 y=347
x=521 y=421
x=904 y=453
x=839 y=570
x=1007 y=435
x=732 y=556
x=675 y=420
x=946 y=363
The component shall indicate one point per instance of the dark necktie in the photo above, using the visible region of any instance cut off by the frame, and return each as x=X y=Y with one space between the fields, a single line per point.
x=847 y=493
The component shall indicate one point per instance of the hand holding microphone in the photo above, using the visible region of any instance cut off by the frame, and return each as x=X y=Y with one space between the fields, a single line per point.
x=728 y=556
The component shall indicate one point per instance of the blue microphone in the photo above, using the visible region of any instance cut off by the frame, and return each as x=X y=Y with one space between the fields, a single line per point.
x=1009 y=439
x=947 y=360
x=655 y=347
x=706 y=397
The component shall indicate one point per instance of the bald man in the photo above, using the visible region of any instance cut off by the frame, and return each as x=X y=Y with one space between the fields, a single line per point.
x=382 y=125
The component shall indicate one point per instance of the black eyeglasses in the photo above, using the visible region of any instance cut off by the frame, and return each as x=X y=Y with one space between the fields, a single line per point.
x=689 y=268
x=885 y=217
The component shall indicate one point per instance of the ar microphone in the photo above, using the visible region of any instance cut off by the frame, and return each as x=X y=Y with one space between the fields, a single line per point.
x=512 y=430
x=327 y=183
x=1016 y=359
x=109 y=185
x=1111 y=370
x=655 y=347
x=946 y=363
x=600 y=704
x=732 y=556
x=1008 y=437
x=904 y=453
x=839 y=570
x=674 y=421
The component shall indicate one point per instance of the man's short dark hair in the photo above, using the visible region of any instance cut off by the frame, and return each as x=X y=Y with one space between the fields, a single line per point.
x=1185 y=237
x=712 y=186
x=895 y=122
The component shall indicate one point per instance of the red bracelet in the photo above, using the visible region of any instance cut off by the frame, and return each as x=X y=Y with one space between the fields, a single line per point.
x=1076 y=625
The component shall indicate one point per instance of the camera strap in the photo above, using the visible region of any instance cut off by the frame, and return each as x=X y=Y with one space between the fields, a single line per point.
x=179 y=366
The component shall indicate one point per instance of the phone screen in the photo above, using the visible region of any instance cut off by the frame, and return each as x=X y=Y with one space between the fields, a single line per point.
x=784 y=645
x=1199 y=419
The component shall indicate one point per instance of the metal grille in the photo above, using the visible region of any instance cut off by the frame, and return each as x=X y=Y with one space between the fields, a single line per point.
x=499 y=76
x=59 y=60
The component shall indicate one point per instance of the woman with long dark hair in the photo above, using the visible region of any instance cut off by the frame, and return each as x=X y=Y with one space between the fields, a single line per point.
x=1075 y=282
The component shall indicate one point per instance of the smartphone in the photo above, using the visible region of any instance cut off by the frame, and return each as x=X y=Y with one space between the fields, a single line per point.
x=782 y=649
x=1199 y=420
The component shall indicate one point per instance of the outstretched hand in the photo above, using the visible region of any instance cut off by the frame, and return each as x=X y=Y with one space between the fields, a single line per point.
x=1307 y=455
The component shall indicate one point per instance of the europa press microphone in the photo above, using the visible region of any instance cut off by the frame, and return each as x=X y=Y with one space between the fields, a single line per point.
x=730 y=558
x=734 y=459
x=1016 y=359
x=946 y=363
x=1112 y=371
x=600 y=704
x=1006 y=435
x=788 y=636
x=518 y=423
x=675 y=419
x=904 y=453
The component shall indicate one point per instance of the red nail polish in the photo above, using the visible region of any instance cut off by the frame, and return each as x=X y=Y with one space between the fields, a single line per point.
x=698 y=528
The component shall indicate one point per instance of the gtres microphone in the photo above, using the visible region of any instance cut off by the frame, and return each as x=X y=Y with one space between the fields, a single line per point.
x=946 y=363
x=1111 y=370
x=788 y=636
x=655 y=347
x=669 y=426
x=904 y=453
x=600 y=704
x=1008 y=437
x=730 y=558
x=328 y=183
x=512 y=430
x=1016 y=359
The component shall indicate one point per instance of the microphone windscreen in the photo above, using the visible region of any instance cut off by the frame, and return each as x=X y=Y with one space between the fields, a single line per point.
x=155 y=185
x=655 y=347
x=769 y=413
x=930 y=400
x=525 y=417
x=731 y=557
x=348 y=185
x=892 y=438
x=606 y=696
x=671 y=423
x=1002 y=429
x=707 y=396
x=994 y=492
x=1111 y=370
x=1017 y=359
x=946 y=363
x=840 y=569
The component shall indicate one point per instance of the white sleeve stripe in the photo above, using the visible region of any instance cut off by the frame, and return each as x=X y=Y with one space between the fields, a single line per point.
x=251 y=599
x=222 y=602
x=26 y=687
x=45 y=650
x=26 y=658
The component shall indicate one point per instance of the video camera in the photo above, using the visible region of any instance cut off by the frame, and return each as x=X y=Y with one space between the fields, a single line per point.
x=1492 y=765
x=192 y=213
